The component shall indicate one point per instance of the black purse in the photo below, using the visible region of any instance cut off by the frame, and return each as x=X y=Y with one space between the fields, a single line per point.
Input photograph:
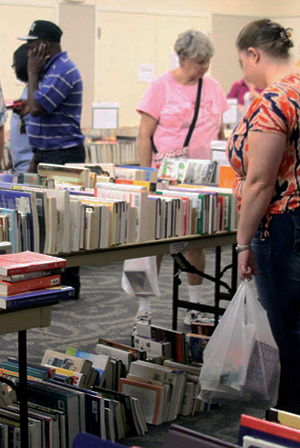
x=193 y=123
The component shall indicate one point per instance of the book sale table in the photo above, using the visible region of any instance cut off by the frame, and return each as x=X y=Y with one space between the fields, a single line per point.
x=20 y=321
x=174 y=246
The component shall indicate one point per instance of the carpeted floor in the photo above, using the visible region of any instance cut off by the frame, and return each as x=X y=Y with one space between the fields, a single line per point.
x=105 y=310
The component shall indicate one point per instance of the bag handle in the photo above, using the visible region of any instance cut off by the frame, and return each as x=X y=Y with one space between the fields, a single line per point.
x=193 y=123
x=196 y=112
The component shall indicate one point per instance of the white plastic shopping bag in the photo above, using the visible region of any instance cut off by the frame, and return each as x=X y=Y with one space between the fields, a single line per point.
x=241 y=360
x=140 y=277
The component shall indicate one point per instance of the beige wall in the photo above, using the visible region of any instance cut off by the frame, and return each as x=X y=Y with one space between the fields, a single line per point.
x=127 y=33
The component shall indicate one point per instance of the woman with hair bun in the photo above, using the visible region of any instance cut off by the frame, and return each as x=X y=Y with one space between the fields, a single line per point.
x=264 y=150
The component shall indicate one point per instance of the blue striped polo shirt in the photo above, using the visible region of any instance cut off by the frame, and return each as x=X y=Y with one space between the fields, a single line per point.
x=60 y=95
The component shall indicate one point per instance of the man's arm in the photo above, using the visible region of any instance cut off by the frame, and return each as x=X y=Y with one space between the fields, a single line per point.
x=32 y=166
x=37 y=59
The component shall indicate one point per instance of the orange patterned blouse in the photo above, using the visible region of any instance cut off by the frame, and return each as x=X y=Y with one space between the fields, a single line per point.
x=276 y=110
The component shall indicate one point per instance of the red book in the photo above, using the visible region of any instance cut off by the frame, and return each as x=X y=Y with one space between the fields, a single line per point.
x=7 y=288
x=269 y=431
x=11 y=264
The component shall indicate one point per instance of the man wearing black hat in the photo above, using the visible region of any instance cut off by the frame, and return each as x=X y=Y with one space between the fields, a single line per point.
x=55 y=101
x=55 y=104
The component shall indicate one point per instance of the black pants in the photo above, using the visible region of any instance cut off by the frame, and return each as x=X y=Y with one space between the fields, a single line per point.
x=76 y=154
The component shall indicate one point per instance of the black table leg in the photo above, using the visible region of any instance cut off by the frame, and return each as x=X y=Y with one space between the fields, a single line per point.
x=22 y=348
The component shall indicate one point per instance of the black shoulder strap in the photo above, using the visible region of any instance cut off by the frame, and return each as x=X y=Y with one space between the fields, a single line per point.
x=197 y=107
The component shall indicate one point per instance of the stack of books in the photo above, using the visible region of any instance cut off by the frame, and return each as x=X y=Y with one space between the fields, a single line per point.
x=30 y=279
x=278 y=429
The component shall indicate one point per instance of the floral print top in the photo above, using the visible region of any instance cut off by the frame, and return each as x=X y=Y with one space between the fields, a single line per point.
x=276 y=110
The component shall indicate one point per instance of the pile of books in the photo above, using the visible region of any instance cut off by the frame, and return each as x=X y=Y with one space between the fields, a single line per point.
x=30 y=279
x=66 y=397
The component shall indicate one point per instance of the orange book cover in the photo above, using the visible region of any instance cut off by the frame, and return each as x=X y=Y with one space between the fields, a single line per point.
x=8 y=288
x=226 y=176
x=149 y=395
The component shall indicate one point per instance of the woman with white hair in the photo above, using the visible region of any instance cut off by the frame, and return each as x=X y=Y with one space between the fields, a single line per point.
x=167 y=110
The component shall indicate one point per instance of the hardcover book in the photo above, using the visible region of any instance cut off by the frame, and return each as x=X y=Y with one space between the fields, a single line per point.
x=58 y=398
x=150 y=396
x=38 y=297
x=8 y=288
x=68 y=362
x=12 y=264
x=268 y=431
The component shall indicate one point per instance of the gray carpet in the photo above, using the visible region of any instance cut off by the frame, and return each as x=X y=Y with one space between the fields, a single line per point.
x=105 y=310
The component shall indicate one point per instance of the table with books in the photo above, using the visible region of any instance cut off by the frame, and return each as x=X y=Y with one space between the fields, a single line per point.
x=20 y=321
x=26 y=302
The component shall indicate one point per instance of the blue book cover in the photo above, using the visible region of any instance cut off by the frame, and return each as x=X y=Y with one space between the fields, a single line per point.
x=23 y=202
x=38 y=297
x=100 y=362
x=6 y=177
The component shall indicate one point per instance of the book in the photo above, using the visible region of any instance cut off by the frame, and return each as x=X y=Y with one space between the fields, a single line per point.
x=175 y=378
x=162 y=348
x=136 y=354
x=78 y=379
x=137 y=196
x=58 y=398
x=75 y=223
x=24 y=202
x=35 y=372
x=63 y=213
x=28 y=275
x=199 y=172
x=203 y=328
x=132 y=426
x=254 y=442
x=124 y=356
x=8 y=288
x=39 y=297
x=99 y=362
x=65 y=174
x=53 y=223
x=150 y=396
x=268 y=431
x=23 y=262
x=68 y=362
x=176 y=338
x=12 y=416
x=50 y=370
x=283 y=417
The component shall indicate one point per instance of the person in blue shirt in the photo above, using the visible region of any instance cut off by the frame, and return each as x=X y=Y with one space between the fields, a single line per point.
x=55 y=91
x=21 y=152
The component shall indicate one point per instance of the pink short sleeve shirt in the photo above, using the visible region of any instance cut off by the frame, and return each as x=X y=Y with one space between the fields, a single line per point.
x=173 y=104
